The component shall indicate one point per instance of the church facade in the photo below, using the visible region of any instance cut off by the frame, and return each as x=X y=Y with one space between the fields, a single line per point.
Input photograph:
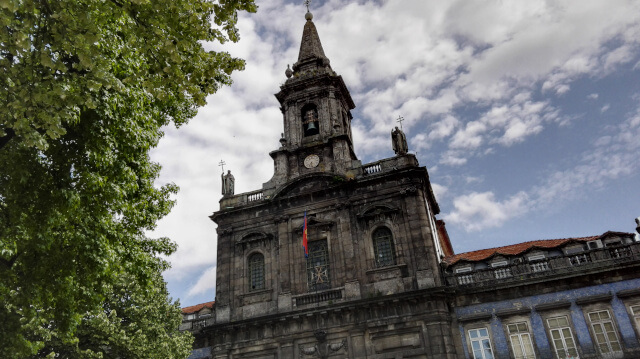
x=377 y=277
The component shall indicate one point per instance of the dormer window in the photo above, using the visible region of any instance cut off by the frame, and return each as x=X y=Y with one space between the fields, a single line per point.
x=538 y=264
x=310 y=124
x=594 y=244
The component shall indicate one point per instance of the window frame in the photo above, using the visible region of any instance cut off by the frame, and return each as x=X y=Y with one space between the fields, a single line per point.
x=560 y=329
x=378 y=241
x=254 y=273
x=520 y=335
x=635 y=315
x=324 y=267
x=486 y=338
x=606 y=334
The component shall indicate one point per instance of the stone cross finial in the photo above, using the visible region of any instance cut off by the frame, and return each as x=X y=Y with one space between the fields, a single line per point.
x=221 y=164
x=307 y=3
x=399 y=120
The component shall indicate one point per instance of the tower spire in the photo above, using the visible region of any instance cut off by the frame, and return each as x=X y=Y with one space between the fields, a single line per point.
x=310 y=47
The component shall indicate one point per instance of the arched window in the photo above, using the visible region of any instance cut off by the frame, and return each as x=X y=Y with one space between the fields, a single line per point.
x=310 y=124
x=256 y=272
x=384 y=250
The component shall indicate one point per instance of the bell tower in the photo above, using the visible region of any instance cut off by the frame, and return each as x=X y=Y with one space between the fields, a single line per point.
x=316 y=108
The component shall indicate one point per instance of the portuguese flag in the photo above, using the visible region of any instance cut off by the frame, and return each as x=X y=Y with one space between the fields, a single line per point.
x=304 y=237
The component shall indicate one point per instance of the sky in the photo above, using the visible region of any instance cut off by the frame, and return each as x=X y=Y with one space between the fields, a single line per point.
x=525 y=113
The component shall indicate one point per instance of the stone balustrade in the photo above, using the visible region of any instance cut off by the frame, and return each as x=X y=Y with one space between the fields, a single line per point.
x=196 y=324
x=366 y=170
x=577 y=263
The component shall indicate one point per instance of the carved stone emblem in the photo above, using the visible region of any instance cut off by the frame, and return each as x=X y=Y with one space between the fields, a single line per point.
x=322 y=349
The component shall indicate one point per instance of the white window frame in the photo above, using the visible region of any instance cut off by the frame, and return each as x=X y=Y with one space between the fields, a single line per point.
x=463 y=270
x=635 y=312
x=562 y=330
x=521 y=337
x=608 y=344
x=485 y=352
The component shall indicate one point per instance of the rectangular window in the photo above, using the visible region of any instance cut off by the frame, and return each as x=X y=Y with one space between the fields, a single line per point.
x=480 y=343
x=318 y=274
x=256 y=272
x=635 y=310
x=521 y=340
x=604 y=330
x=562 y=338
x=384 y=251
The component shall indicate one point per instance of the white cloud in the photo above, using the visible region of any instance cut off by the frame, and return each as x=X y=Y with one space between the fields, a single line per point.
x=439 y=191
x=611 y=157
x=207 y=281
x=477 y=211
x=470 y=78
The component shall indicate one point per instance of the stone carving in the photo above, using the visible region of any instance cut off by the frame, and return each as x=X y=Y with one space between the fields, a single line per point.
x=399 y=142
x=225 y=231
x=322 y=349
x=408 y=190
x=228 y=183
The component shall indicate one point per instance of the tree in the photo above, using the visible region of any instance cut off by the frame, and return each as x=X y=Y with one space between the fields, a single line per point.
x=85 y=88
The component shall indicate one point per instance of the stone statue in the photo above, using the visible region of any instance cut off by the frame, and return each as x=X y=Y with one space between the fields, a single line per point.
x=638 y=223
x=399 y=142
x=228 y=183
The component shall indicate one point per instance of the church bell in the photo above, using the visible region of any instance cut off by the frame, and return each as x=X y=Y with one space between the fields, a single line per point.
x=312 y=129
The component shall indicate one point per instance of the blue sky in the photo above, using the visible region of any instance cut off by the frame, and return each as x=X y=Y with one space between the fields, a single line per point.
x=525 y=113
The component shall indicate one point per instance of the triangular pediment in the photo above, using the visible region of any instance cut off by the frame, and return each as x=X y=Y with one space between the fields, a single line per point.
x=308 y=184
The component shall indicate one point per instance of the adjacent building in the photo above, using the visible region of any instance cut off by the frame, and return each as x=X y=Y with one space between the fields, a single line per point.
x=378 y=277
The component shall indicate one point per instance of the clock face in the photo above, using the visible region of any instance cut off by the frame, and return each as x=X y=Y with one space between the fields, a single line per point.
x=311 y=161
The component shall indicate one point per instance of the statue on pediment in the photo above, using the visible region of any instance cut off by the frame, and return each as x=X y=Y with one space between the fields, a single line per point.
x=399 y=142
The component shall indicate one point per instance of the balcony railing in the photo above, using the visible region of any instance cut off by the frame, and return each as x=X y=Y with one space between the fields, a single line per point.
x=196 y=324
x=334 y=294
x=578 y=263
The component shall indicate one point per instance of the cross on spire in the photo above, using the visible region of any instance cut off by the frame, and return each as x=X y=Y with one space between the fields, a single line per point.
x=399 y=120
x=221 y=164
x=307 y=3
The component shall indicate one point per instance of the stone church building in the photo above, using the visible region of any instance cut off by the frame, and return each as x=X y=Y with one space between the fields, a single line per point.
x=379 y=278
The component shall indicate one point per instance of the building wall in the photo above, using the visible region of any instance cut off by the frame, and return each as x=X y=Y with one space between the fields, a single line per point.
x=616 y=298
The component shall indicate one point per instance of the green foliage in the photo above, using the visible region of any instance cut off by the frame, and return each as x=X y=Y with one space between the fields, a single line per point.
x=85 y=88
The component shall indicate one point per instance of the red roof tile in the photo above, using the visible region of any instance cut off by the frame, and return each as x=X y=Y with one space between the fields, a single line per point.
x=519 y=248
x=197 y=307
